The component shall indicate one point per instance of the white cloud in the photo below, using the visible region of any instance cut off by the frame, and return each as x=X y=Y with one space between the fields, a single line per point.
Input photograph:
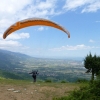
x=4 y=22
x=12 y=10
x=13 y=46
x=1 y=36
x=93 y=7
x=92 y=41
x=16 y=36
x=39 y=9
x=13 y=6
x=41 y=28
x=9 y=44
x=73 y=4
x=77 y=47
x=86 y=5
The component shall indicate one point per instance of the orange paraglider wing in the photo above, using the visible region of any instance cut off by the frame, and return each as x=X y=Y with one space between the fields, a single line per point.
x=33 y=22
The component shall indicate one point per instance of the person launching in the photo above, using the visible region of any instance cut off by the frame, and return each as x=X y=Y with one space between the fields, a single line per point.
x=34 y=75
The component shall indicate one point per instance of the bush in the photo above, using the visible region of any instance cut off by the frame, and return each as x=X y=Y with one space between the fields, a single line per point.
x=95 y=88
x=91 y=92
x=48 y=80
x=63 y=81
x=82 y=80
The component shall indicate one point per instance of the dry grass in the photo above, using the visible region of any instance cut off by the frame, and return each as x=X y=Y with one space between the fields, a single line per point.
x=25 y=90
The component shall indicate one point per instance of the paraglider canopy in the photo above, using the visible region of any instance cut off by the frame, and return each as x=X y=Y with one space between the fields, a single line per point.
x=33 y=22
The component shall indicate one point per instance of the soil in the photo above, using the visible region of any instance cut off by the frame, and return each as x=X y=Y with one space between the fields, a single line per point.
x=35 y=91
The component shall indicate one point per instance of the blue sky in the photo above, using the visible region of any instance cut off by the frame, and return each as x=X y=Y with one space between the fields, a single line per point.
x=80 y=17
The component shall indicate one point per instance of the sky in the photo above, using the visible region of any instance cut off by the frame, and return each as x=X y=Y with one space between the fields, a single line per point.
x=80 y=17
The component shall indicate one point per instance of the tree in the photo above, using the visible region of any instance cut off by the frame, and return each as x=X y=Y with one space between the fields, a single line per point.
x=92 y=64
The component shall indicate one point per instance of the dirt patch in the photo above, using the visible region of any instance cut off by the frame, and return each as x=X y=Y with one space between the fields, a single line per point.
x=37 y=91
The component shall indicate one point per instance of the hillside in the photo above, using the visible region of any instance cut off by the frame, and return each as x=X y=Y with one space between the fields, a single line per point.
x=53 y=69
x=11 y=60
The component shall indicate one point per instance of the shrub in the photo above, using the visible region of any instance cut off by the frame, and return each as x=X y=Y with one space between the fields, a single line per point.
x=48 y=80
x=91 y=92
x=82 y=80
x=63 y=81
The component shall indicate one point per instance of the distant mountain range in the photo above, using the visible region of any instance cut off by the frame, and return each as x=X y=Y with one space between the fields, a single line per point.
x=10 y=60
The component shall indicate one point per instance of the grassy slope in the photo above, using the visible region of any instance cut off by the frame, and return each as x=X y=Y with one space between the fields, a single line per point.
x=38 y=90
